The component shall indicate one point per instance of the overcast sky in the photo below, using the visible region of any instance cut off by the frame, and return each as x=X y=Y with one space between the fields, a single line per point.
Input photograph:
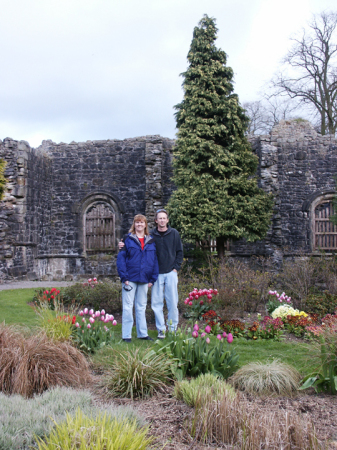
x=77 y=70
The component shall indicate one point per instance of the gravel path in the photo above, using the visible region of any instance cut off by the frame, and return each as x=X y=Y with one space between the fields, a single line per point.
x=34 y=284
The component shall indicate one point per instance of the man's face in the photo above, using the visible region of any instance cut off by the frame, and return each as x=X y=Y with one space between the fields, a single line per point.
x=162 y=221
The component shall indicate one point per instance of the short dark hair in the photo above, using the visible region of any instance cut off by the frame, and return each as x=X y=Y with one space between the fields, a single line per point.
x=161 y=210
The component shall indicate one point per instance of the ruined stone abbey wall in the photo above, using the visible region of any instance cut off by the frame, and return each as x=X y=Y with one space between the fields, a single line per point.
x=52 y=190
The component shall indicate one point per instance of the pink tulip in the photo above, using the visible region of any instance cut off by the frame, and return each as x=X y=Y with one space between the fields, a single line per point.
x=196 y=327
x=83 y=320
x=203 y=335
x=85 y=311
x=114 y=322
x=91 y=312
x=81 y=313
x=186 y=301
x=111 y=318
x=190 y=303
x=230 y=338
x=219 y=337
x=97 y=313
x=196 y=297
x=95 y=279
x=106 y=328
x=201 y=303
x=208 y=340
x=215 y=291
x=89 y=326
x=102 y=318
x=195 y=334
x=77 y=325
x=208 y=329
x=209 y=296
x=89 y=280
x=224 y=334
x=102 y=312
x=92 y=320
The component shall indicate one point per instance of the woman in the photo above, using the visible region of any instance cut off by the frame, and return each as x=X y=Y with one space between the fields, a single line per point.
x=137 y=266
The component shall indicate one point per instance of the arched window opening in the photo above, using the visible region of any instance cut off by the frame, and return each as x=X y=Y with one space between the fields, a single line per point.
x=325 y=232
x=99 y=228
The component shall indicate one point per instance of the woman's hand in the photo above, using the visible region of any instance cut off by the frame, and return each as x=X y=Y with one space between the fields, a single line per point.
x=126 y=282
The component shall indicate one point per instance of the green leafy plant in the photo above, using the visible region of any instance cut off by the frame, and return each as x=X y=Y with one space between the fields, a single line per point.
x=204 y=384
x=193 y=356
x=56 y=324
x=325 y=378
x=94 y=331
x=136 y=373
x=321 y=303
x=96 y=294
x=267 y=378
x=100 y=433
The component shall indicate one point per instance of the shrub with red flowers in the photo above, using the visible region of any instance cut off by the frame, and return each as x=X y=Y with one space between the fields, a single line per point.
x=268 y=328
x=297 y=324
x=235 y=327
x=199 y=302
x=329 y=322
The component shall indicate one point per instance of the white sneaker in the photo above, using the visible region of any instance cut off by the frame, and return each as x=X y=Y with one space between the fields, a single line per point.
x=161 y=334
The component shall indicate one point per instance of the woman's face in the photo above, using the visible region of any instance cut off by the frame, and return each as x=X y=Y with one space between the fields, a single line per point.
x=140 y=226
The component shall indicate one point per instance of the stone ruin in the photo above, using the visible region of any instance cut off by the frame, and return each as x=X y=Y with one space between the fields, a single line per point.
x=67 y=205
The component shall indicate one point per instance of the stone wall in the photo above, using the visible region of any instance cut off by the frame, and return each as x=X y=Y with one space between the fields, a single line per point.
x=50 y=189
x=297 y=165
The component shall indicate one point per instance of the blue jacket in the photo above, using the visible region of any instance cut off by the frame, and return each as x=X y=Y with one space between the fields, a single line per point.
x=135 y=264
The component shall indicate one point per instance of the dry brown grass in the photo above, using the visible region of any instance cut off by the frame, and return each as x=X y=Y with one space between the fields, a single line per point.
x=228 y=422
x=31 y=365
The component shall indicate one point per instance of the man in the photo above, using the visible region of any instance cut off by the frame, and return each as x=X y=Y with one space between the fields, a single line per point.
x=170 y=256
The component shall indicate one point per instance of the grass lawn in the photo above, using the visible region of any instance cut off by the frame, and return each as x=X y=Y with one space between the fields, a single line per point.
x=14 y=307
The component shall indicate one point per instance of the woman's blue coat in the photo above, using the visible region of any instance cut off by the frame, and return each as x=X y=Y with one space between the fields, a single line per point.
x=135 y=264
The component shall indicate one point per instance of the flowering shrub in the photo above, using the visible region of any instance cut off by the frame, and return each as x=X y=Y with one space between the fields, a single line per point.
x=297 y=324
x=329 y=323
x=94 y=332
x=50 y=298
x=193 y=355
x=268 y=328
x=275 y=300
x=200 y=302
x=285 y=310
x=236 y=327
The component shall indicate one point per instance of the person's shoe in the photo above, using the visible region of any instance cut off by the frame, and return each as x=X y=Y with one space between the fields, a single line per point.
x=147 y=338
x=127 y=340
x=161 y=334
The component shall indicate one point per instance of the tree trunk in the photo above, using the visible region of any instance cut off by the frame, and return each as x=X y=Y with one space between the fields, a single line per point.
x=220 y=247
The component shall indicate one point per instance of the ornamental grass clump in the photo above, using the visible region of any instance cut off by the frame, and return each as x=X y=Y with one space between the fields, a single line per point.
x=31 y=365
x=230 y=422
x=102 y=432
x=56 y=323
x=136 y=373
x=206 y=384
x=271 y=378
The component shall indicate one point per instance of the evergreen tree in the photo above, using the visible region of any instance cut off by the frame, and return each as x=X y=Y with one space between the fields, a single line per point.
x=217 y=194
x=2 y=177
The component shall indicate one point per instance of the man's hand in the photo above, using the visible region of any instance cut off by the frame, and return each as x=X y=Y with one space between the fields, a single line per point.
x=149 y=285
x=175 y=270
x=121 y=244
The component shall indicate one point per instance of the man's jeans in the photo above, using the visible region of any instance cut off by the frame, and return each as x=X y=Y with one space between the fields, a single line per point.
x=138 y=294
x=165 y=286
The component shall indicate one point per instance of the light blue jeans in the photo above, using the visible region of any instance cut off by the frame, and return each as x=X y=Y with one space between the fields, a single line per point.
x=165 y=286
x=137 y=295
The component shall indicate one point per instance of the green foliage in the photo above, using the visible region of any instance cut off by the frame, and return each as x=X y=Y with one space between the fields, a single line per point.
x=2 y=177
x=136 y=373
x=105 y=294
x=325 y=378
x=192 y=357
x=57 y=325
x=214 y=167
x=89 y=340
x=21 y=419
x=205 y=384
x=97 y=433
x=321 y=304
x=267 y=378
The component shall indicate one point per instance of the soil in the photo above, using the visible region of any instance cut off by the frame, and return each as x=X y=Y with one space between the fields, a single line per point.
x=169 y=418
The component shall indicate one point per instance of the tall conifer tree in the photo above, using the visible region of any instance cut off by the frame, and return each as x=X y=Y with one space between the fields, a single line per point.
x=217 y=194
